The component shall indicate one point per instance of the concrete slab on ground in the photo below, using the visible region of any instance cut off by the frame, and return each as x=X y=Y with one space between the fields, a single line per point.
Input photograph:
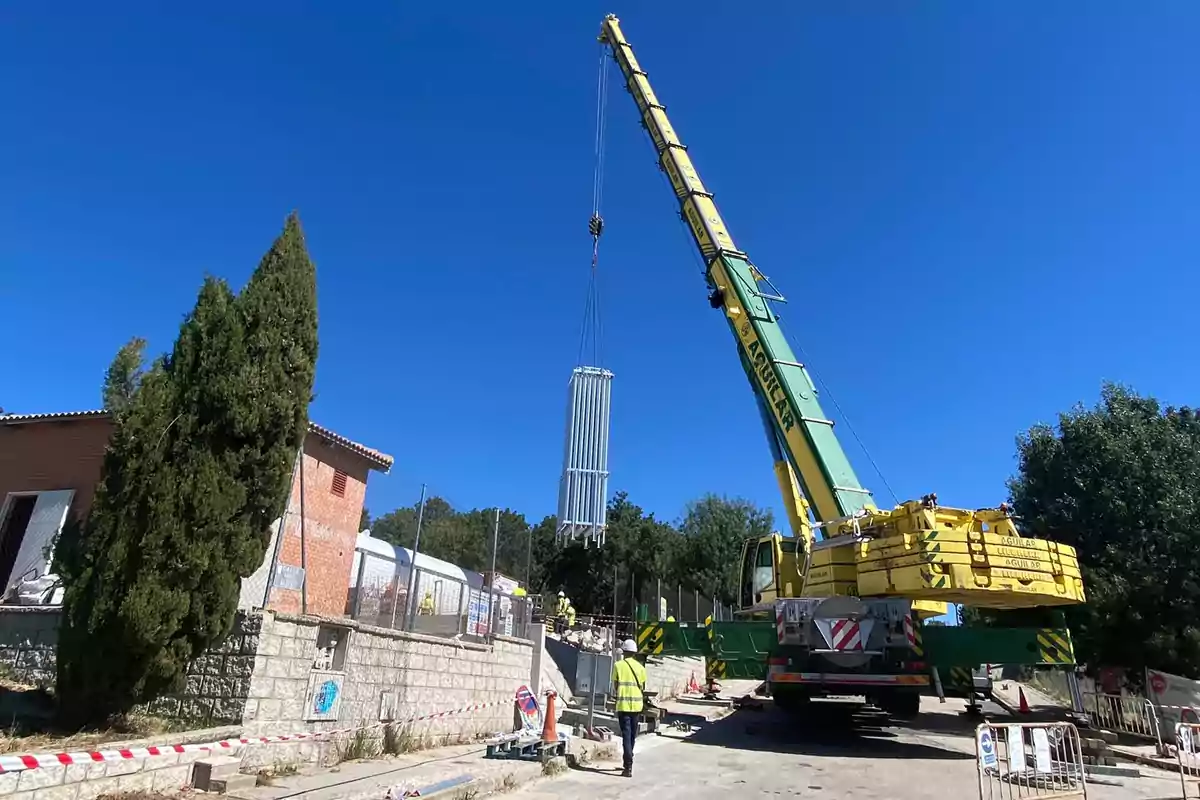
x=766 y=752
x=360 y=780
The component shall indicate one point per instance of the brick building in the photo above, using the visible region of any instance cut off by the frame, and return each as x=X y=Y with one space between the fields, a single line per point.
x=50 y=466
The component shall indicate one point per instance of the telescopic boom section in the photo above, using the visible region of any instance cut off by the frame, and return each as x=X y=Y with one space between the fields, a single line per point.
x=782 y=383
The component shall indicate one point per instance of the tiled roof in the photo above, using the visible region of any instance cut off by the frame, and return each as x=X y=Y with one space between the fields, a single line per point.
x=381 y=460
x=13 y=419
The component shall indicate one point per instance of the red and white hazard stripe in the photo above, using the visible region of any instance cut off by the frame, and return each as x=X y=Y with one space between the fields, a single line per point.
x=779 y=622
x=17 y=763
x=910 y=630
x=846 y=635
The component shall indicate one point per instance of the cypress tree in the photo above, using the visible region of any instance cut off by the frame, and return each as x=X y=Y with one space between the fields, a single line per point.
x=197 y=469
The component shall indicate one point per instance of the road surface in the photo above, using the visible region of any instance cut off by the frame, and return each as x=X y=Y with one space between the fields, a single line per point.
x=762 y=753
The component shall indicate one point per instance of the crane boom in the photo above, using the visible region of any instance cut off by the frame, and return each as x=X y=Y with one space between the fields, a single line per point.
x=798 y=427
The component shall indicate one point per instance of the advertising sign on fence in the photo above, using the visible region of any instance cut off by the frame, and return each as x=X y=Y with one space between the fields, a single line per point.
x=1176 y=698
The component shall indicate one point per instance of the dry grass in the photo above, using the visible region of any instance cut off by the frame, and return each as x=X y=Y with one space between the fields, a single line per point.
x=400 y=740
x=361 y=746
x=553 y=767
x=605 y=752
x=24 y=737
x=266 y=775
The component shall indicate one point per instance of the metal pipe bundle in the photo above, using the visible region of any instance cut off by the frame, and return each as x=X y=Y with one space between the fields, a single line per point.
x=583 y=489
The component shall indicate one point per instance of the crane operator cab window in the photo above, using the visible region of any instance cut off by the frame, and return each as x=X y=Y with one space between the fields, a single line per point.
x=758 y=570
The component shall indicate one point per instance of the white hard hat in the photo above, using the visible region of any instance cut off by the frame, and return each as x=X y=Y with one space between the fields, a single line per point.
x=561 y=593
x=629 y=646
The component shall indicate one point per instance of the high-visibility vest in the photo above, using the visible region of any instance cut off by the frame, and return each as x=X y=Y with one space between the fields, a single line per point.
x=629 y=676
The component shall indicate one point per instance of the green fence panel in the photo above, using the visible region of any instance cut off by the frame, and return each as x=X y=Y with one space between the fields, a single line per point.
x=959 y=646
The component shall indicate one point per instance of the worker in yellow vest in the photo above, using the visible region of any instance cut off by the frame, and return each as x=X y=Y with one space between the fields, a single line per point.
x=560 y=613
x=426 y=607
x=570 y=617
x=629 y=686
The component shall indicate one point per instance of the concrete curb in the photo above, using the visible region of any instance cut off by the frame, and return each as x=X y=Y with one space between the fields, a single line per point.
x=1148 y=761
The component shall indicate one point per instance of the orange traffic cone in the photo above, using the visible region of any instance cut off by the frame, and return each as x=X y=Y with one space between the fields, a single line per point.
x=1022 y=704
x=550 y=726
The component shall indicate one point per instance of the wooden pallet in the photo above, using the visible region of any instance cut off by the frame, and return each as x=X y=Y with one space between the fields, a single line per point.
x=512 y=746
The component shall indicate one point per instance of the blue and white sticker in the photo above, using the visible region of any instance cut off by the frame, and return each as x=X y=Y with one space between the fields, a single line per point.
x=987 y=748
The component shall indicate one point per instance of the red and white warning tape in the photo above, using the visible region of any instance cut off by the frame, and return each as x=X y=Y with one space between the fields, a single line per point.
x=17 y=763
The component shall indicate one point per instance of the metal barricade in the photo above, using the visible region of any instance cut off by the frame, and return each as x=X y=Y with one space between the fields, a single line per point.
x=1125 y=713
x=1029 y=760
x=1187 y=745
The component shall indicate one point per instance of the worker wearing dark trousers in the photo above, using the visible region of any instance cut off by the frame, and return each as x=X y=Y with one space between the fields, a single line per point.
x=629 y=686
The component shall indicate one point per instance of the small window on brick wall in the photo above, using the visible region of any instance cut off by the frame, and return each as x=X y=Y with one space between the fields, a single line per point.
x=339 y=483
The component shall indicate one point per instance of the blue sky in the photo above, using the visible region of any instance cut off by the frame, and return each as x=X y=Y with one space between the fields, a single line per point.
x=978 y=211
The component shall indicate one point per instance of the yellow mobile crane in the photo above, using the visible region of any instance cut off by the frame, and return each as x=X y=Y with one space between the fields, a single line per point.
x=842 y=599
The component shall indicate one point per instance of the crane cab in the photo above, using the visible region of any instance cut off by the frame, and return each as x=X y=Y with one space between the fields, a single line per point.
x=770 y=570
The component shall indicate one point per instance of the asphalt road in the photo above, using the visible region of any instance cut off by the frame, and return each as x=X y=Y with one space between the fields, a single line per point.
x=765 y=753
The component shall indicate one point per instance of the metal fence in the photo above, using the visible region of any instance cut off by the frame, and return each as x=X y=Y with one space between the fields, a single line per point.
x=388 y=594
x=661 y=599
x=1031 y=760
x=1187 y=754
x=1134 y=715
x=1126 y=713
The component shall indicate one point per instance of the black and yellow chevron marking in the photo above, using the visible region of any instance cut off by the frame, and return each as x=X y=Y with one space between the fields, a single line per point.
x=714 y=669
x=934 y=580
x=1054 y=646
x=650 y=640
x=918 y=647
x=961 y=677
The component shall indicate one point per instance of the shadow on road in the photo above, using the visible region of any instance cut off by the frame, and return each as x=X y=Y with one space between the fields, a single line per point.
x=827 y=731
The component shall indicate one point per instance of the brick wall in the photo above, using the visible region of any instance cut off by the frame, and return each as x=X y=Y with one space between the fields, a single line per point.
x=330 y=529
x=49 y=455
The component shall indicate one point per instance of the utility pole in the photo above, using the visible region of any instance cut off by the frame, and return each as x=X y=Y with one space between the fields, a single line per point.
x=492 y=597
x=409 y=606
x=528 y=558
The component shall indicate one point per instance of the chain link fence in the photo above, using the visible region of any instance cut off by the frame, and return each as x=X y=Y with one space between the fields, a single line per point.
x=388 y=594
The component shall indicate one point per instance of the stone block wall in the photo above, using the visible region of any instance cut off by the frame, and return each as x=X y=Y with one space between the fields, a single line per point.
x=217 y=684
x=28 y=643
x=670 y=675
x=385 y=674
x=261 y=680
x=168 y=773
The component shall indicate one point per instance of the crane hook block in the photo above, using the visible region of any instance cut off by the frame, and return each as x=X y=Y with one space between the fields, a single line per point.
x=596 y=225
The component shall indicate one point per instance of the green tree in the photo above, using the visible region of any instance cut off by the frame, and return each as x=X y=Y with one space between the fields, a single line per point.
x=123 y=375
x=714 y=530
x=1121 y=483
x=198 y=466
x=364 y=519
